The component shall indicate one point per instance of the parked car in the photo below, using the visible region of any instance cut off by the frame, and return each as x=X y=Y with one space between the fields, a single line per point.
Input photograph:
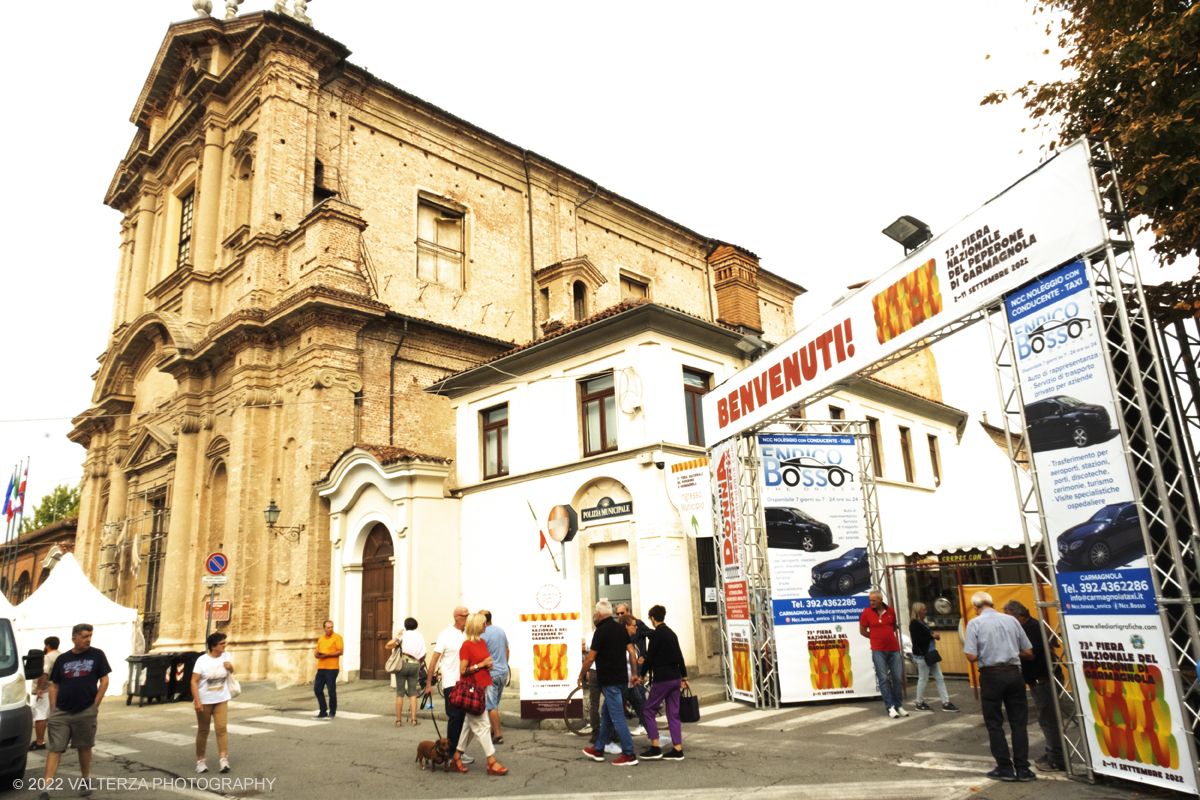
x=793 y=529
x=1062 y=420
x=792 y=471
x=1112 y=537
x=848 y=573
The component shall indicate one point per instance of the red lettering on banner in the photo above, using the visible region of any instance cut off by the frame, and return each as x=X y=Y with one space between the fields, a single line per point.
x=722 y=412
x=760 y=389
x=838 y=344
x=735 y=413
x=849 y=338
x=791 y=373
x=746 y=395
x=823 y=342
x=808 y=361
x=727 y=555
x=774 y=377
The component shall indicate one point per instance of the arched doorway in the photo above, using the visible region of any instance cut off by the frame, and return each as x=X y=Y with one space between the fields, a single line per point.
x=376 y=602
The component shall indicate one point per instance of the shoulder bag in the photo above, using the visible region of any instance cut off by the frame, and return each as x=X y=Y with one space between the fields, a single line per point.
x=467 y=697
x=396 y=659
x=689 y=706
x=235 y=688
x=932 y=656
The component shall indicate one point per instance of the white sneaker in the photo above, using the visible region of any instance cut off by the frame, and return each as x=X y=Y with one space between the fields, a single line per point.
x=640 y=730
x=224 y=765
x=201 y=766
x=466 y=759
x=613 y=747
x=893 y=714
x=903 y=713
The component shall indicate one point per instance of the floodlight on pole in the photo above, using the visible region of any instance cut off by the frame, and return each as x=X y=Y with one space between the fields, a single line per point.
x=910 y=232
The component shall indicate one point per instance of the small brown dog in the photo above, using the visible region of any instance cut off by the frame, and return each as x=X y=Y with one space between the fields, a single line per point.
x=434 y=753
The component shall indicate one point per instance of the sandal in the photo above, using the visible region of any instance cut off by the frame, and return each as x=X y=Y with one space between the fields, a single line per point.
x=456 y=764
x=498 y=740
x=415 y=722
x=399 y=723
x=495 y=769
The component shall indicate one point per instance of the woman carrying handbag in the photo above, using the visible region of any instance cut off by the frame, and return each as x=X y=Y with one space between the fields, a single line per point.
x=926 y=657
x=212 y=680
x=408 y=654
x=474 y=671
x=664 y=662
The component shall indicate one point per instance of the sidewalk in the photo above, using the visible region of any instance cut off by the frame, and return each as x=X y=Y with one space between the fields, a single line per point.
x=376 y=695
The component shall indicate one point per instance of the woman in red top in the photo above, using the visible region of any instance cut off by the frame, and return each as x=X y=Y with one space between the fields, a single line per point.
x=475 y=666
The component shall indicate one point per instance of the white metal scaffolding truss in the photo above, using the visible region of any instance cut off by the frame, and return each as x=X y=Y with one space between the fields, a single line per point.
x=1153 y=412
x=763 y=653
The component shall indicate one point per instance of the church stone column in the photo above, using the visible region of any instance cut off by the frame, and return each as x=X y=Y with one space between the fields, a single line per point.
x=142 y=241
x=207 y=215
x=181 y=572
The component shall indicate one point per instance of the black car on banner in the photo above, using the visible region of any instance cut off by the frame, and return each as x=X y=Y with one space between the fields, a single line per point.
x=1072 y=327
x=793 y=529
x=1062 y=421
x=848 y=573
x=1110 y=538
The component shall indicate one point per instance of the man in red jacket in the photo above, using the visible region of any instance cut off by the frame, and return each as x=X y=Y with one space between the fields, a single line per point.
x=878 y=623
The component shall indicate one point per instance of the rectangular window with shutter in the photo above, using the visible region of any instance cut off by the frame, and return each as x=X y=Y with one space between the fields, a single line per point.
x=906 y=452
x=495 y=441
x=598 y=400
x=187 y=205
x=439 y=245
x=633 y=289
x=935 y=460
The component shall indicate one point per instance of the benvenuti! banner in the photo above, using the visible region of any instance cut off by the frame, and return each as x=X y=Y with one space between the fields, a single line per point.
x=820 y=575
x=1133 y=716
x=1046 y=219
x=726 y=493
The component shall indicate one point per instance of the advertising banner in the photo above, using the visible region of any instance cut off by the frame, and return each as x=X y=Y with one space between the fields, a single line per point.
x=691 y=491
x=726 y=493
x=552 y=651
x=1047 y=218
x=820 y=575
x=1134 y=725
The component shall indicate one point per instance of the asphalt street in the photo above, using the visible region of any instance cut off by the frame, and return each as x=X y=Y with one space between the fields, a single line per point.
x=844 y=751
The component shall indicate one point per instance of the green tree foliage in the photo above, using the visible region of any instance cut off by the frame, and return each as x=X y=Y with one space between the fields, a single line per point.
x=1134 y=68
x=61 y=503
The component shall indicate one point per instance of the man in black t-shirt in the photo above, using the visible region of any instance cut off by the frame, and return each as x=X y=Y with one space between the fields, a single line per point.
x=78 y=682
x=613 y=654
x=1037 y=676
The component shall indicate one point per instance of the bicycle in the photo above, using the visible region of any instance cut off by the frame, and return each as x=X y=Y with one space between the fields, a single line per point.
x=577 y=723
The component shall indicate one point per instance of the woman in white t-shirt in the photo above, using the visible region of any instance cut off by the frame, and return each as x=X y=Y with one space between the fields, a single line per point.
x=210 y=696
x=412 y=645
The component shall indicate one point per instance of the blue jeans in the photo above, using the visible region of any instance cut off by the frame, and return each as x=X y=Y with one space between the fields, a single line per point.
x=891 y=688
x=612 y=717
x=923 y=673
x=326 y=678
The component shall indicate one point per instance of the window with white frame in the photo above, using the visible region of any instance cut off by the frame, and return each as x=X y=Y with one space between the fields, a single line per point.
x=439 y=244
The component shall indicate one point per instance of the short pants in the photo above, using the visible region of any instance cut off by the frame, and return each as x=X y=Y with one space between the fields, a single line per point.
x=495 y=691
x=79 y=729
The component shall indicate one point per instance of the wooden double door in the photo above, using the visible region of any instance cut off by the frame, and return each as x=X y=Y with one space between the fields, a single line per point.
x=377 y=575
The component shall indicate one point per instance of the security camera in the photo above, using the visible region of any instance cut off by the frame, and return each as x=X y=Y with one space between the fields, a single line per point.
x=660 y=459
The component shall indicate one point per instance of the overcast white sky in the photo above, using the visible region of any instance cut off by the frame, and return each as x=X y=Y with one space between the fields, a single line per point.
x=797 y=130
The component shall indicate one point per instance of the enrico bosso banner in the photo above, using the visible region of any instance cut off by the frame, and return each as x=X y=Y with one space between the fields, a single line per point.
x=817 y=549
x=726 y=495
x=1134 y=721
x=1047 y=218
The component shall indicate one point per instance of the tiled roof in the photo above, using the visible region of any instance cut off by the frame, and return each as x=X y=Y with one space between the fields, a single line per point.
x=386 y=454
x=914 y=394
x=611 y=311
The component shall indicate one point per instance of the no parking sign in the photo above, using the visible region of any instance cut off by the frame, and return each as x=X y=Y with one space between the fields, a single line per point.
x=216 y=563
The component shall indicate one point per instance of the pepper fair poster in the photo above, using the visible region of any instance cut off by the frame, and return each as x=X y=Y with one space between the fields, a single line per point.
x=552 y=650
x=1134 y=720
x=726 y=496
x=1045 y=219
x=820 y=576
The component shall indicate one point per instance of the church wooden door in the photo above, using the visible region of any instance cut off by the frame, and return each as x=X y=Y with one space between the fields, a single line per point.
x=377 y=576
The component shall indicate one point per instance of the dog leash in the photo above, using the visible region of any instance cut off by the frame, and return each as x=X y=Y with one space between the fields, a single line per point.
x=431 y=716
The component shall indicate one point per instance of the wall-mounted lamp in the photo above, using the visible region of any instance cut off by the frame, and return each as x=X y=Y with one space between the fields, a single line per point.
x=752 y=346
x=271 y=514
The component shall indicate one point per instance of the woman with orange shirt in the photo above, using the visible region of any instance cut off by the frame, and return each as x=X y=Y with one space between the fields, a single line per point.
x=475 y=666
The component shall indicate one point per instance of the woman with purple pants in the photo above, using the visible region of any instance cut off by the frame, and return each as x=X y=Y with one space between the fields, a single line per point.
x=664 y=661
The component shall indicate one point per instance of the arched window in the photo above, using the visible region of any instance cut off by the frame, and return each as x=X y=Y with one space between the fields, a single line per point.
x=579 y=296
x=22 y=589
x=245 y=193
x=42 y=578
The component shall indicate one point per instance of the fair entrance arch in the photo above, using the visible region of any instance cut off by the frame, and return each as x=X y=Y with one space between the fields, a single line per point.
x=377 y=573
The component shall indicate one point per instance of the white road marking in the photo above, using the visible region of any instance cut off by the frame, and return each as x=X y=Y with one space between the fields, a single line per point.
x=112 y=749
x=246 y=730
x=342 y=714
x=947 y=729
x=244 y=704
x=176 y=739
x=292 y=721
x=750 y=716
x=946 y=789
x=811 y=719
x=721 y=708
x=880 y=725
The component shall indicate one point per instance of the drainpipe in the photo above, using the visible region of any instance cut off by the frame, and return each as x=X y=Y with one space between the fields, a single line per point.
x=595 y=191
x=708 y=288
x=392 y=388
x=533 y=327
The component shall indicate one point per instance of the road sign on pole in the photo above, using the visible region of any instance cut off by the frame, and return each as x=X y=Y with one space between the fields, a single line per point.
x=216 y=563
x=214 y=580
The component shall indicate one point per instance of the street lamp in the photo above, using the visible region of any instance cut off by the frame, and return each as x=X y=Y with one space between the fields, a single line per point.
x=910 y=232
x=271 y=514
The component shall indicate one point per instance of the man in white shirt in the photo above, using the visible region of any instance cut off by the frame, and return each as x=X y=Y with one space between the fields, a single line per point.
x=41 y=704
x=445 y=652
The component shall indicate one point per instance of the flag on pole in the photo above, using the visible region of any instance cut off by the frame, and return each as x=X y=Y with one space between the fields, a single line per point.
x=541 y=535
x=9 y=496
x=20 y=509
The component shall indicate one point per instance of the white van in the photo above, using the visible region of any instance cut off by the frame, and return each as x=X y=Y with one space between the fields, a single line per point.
x=16 y=718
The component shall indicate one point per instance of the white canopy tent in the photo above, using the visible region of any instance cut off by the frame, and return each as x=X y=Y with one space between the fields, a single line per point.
x=975 y=507
x=68 y=598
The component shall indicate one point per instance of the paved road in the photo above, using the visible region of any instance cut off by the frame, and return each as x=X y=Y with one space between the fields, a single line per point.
x=844 y=752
